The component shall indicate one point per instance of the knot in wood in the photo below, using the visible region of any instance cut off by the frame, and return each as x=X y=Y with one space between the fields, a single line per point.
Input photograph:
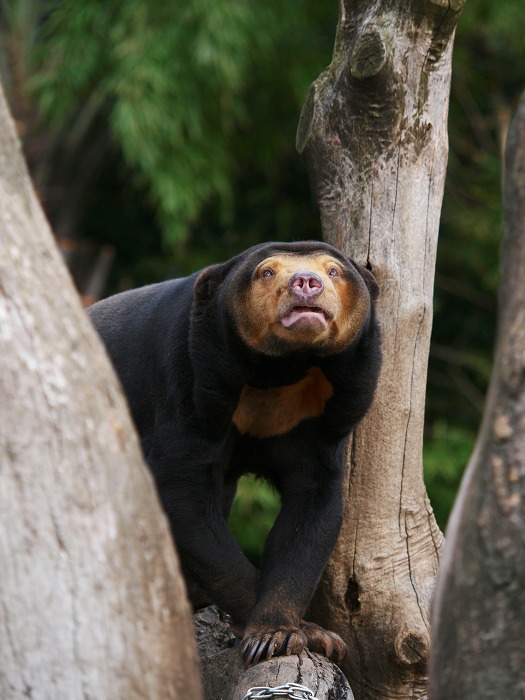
x=368 y=55
x=502 y=427
x=352 y=596
x=411 y=648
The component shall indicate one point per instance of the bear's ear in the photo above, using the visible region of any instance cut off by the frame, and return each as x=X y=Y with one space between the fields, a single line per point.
x=209 y=281
x=370 y=280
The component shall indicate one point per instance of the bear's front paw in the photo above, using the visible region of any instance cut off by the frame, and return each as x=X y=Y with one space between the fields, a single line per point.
x=324 y=642
x=260 y=643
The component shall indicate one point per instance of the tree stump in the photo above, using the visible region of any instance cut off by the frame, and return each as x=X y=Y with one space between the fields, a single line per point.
x=224 y=678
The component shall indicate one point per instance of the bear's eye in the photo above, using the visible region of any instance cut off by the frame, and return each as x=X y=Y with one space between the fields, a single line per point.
x=267 y=272
x=333 y=272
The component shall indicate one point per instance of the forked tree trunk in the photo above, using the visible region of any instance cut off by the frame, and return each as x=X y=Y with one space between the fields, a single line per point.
x=479 y=606
x=92 y=603
x=374 y=131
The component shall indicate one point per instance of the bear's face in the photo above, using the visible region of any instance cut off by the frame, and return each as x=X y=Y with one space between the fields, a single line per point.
x=301 y=302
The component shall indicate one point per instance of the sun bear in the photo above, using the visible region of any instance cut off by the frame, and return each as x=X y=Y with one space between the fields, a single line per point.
x=262 y=364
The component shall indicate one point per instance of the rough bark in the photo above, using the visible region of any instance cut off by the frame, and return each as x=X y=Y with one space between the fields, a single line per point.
x=374 y=131
x=479 y=607
x=224 y=678
x=92 y=603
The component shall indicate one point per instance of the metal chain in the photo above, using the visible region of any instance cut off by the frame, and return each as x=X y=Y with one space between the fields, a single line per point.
x=293 y=691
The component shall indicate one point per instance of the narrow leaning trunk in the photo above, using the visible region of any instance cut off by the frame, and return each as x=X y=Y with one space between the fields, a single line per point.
x=92 y=603
x=374 y=131
x=479 y=608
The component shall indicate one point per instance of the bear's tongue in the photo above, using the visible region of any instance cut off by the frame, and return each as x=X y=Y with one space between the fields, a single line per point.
x=309 y=313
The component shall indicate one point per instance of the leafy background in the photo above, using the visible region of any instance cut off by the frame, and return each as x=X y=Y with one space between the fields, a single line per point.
x=160 y=137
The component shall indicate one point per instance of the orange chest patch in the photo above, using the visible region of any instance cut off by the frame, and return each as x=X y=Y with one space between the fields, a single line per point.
x=274 y=411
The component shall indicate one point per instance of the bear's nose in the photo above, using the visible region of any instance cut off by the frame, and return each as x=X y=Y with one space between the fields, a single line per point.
x=306 y=284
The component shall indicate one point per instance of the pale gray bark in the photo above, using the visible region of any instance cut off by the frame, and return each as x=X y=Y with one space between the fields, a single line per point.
x=479 y=606
x=374 y=131
x=92 y=604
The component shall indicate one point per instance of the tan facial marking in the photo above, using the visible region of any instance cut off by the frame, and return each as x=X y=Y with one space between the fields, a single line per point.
x=274 y=411
x=345 y=302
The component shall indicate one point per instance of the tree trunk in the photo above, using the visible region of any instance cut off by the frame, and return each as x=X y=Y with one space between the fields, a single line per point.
x=479 y=606
x=92 y=602
x=374 y=131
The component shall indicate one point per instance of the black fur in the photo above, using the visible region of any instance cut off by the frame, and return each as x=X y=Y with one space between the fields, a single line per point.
x=183 y=366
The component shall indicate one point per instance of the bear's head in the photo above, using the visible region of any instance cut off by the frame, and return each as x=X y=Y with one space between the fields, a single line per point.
x=293 y=297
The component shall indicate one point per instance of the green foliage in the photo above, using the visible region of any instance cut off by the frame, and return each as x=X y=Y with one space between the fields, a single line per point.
x=172 y=80
x=488 y=76
x=18 y=22
x=254 y=511
x=445 y=456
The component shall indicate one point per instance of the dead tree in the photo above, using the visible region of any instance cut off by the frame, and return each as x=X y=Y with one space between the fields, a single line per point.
x=374 y=132
x=479 y=607
x=92 y=603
